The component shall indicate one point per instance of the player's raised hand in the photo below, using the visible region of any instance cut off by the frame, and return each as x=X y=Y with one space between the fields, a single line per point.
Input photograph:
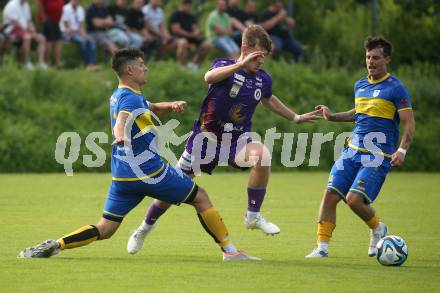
x=397 y=159
x=308 y=117
x=324 y=111
x=178 y=106
x=251 y=57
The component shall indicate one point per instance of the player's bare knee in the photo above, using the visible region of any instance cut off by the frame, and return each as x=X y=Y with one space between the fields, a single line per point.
x=354 y=200
x=161 y=204
x=259 y=156
x=201 y=202
x=330 y=199
x=106 y=228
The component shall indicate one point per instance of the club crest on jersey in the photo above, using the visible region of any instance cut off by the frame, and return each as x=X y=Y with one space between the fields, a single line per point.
x=257 y=94
x=376 y=93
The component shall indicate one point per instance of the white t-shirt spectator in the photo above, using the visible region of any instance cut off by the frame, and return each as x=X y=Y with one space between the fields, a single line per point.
x=74 y=17
x=15 y=10
x=153 y=16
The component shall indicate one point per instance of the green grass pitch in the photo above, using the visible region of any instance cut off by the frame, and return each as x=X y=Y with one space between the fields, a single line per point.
x=180 y=257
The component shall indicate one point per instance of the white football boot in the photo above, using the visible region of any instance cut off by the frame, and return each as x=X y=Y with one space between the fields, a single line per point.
x=317 y=253
x=42 y=250
x=239 y=255
x=260 y=223
x=136 y=240
x=376 y=234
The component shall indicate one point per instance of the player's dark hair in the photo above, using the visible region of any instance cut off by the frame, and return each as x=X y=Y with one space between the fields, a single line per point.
x=124 y=56
x=378 y=42
x=255 y=35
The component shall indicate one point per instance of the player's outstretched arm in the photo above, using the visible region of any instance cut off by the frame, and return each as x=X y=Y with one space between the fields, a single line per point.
x=164 y=108
x=409 y=128
x=119 y=128
x=328 y=115
x=218 y=74
x=275 y=105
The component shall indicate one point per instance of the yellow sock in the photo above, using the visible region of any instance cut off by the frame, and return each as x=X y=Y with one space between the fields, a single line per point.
x=80 y=237
x=325 y=230
x=373 y=222
x=213 y=224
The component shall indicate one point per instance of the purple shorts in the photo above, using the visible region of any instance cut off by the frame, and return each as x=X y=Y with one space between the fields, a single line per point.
x=203 y=153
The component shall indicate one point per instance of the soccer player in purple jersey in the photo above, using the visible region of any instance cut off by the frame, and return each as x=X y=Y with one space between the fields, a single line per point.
x=236 y=88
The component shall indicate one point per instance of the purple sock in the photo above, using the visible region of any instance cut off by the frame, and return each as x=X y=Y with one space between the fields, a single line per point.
x=255 y=198
x=153 y=214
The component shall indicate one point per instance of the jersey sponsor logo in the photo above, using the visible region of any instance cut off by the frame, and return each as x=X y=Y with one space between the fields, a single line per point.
x=249 y=83
x=257 y=94
x=239 y=77
x=376 y=93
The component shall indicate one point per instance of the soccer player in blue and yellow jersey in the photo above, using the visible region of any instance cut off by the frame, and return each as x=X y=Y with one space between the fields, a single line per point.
x=381 y=102
x=236 y=88
x=137 y=169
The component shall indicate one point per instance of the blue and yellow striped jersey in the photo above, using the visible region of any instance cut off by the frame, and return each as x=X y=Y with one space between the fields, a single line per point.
x=141 y=159
x=377 y=105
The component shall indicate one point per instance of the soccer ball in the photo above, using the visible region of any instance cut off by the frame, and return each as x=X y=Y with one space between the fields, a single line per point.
x=391 y=251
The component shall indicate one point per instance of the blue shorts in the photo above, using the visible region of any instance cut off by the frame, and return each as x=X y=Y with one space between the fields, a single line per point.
x=357 y=177
x=171 y=186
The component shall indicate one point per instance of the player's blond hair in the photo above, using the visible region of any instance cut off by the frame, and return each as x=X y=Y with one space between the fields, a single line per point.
x=255 y=35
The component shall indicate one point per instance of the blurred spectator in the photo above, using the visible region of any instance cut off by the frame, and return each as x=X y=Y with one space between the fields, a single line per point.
x=219 y=29
x=99 y=21
x=136 y=25
x=119 y=32
x=154 y=18
x=237 y=20
x=17 y=15
x=49 y=14
x=73 y=29
x=5 y=41
x=250 y=13
x=241 y=18
x=278 y=24
x=184 y=27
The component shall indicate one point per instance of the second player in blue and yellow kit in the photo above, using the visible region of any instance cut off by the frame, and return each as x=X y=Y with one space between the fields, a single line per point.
x=381 y=103
x=377 y=104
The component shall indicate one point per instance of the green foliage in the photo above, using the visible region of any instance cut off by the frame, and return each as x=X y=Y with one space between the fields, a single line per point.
x=37 y=106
